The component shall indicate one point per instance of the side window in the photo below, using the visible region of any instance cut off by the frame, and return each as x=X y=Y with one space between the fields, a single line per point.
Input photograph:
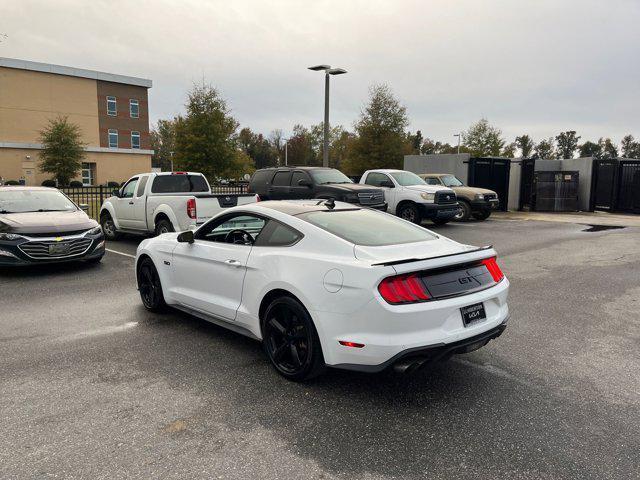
x=275 y=234
x=134 y=108
x=112 y=106
x=113 y=138
x=375 y=179
x=141 y=184
x=129 y=188
x=281 y=179
x=217 y=230
x=432 y=181
x=297 y=176
x=135 y=139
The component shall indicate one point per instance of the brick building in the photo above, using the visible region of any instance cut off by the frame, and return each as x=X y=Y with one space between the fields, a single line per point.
x=111 y=111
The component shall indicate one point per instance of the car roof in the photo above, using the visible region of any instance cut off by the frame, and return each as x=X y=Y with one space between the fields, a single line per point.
x=296 y=207
x=436 y=174
x=295 y=167
x=386 y=170
x=25 y=187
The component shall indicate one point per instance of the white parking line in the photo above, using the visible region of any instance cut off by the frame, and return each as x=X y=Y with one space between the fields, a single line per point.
x=120 y=253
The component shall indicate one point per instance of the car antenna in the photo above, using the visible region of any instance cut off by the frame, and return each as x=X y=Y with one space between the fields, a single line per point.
x=330 y=203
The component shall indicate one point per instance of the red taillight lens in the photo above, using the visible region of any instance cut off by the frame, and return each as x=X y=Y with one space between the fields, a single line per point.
x=493 y=268
x=191 y=208
x=403 y=289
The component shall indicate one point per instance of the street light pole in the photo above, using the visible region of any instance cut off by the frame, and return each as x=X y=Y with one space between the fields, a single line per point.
x=458 y=135
x=327 y=71
x=286 y=152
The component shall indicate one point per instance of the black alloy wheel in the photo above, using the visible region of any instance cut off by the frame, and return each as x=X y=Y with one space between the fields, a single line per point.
x=150 y=286
x=410 y=213
x=291 y=341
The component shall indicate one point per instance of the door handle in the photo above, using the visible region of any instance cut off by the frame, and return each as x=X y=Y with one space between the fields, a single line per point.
x=131 y=203
x=233 y=263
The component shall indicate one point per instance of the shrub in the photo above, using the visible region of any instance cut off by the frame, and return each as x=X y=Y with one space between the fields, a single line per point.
x=49 y=183
x=12 y=182
x=75 y=184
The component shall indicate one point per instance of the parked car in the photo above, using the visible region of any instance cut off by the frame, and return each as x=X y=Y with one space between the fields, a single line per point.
x=42 y=225
x=411 y=198
x=329 y=284
x=292 y=183
x=164 y=202
x=474 y=201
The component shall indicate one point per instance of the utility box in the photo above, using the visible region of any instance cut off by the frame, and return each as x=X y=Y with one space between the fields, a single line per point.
x=555 y=191
x=616 y=185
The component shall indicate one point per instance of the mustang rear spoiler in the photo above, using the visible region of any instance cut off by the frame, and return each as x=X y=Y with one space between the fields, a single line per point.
x=408 y=260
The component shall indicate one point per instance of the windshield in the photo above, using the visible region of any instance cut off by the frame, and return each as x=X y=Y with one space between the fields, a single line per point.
x=451 y=181
x=329 y=176
x=21 y=201
x=406 y=179
x=367 y=227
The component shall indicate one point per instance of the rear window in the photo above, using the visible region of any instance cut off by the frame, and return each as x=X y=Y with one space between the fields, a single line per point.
x=179 y=184
x=367 y=227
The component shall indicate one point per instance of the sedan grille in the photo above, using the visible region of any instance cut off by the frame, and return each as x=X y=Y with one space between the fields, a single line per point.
x=446 y=198
x=56 y=249
x=371 y=198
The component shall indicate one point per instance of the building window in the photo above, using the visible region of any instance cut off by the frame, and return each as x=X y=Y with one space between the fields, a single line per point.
x=113 y=138
x=88 y=174
x=112 y=107
x=134 y=108
x=135 y=139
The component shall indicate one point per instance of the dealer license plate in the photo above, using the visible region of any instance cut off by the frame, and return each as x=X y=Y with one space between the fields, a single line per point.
x=472 y=314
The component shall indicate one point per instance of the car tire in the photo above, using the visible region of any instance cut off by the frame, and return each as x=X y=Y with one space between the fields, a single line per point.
x=163 y=226
x=150 y=286
x=465 y=211
x=410 y=212
x=482 y=215
x=291 y=341
x=109 y=227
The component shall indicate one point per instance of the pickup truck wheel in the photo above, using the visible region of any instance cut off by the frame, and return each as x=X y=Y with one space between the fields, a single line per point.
x=164 y=226
x=109 y=227
x=482 y=214
x=464 y=213
x=410 y=212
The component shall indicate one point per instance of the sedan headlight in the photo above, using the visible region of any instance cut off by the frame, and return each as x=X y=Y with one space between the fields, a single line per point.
x=95 y=231
x=479 y=196
x=10 y=236
x=429 y=197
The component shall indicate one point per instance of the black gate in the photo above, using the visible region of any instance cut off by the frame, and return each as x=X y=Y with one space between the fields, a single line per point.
x=491 y=173
x=603 y=187
x=555 y=191
x=629 y=186
x=527 y=168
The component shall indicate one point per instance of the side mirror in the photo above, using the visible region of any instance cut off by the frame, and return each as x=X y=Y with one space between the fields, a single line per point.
x=186 y=237
x=84 y=207
x=304 y=183
x=387 y=183
x=116 y=193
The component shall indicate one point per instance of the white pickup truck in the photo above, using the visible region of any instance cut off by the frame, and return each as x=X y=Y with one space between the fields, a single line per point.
x=164 y=202
x=410 y=198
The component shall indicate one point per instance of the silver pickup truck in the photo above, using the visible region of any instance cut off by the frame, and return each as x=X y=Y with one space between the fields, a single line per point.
x=156 y=203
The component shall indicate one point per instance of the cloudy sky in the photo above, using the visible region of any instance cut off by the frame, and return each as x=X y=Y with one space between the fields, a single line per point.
x=537 y=67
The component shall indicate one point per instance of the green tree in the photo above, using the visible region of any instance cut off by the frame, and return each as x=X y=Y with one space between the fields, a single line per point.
x=630 y=148
x=258 y=148
x=567 y=144
x=509 y=150
x=205 y=139
x=526 y=145
x=482 y=139
x=590 y=149
x=545 y=149
x=301 y=147
x=416 y=140
x=609 y=149
x=381 y=139
x=163 y=144
x=62 y=150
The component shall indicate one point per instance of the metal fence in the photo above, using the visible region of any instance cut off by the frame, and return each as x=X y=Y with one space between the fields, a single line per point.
x=93 y=197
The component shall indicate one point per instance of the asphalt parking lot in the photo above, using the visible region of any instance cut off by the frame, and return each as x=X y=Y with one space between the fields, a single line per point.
x=93 y=386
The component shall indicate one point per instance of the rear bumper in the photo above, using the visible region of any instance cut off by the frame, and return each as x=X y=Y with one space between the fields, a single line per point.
x=391 y=332
x=435 y=210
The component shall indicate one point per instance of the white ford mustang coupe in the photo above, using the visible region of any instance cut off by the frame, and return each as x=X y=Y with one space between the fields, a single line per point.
x=324 y=283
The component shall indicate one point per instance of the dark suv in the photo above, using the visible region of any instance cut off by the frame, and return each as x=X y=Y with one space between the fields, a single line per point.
x=290 y=183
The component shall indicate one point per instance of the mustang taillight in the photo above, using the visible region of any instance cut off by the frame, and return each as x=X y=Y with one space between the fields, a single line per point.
x=403 y=289
x=191 y=208
x=493 y=268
